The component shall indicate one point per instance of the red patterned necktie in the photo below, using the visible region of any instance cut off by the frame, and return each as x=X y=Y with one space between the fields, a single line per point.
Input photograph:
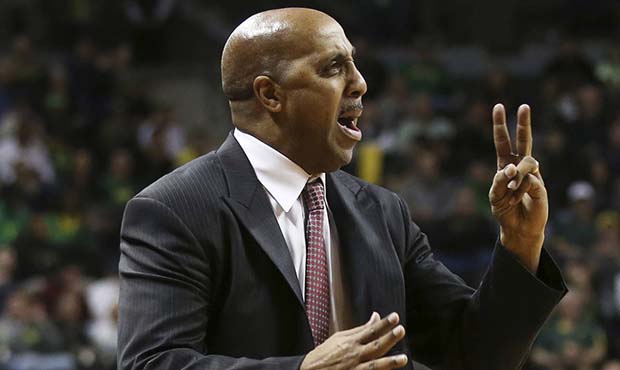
x=317 y=273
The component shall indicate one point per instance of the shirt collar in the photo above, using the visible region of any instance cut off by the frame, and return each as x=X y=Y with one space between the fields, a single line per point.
x=281 y=177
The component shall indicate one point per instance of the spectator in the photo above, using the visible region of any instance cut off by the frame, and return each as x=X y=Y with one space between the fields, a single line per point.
x=591 y=119
x=8 y=283
x=14 y=215
x=474 y=136
x=498 y=87
x=92 y=83
x=28 y=151
x=570 y=68
x=102 y=298
x=608 y=69
x=162 y=124
x=118 y=186
x=478 y=173
x=69 y=313
x=428 y=193
x=555 y=153
x=571 y=341
x=574 y=227
x=606 y=279
x=27 y=74
x=423 y=123
x=425 y=74
x=36 y=254
x=462 y=239
x=57 y=103
x=612 y=148
x=611 y=365
x=31 y=338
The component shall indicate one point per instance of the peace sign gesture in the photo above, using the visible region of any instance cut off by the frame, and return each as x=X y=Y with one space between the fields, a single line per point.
x=518 y=196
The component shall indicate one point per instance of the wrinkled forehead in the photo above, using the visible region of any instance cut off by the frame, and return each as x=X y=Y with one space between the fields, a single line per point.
x=319 y=38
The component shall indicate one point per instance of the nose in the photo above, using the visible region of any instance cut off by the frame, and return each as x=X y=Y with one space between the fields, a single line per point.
x=356 y=87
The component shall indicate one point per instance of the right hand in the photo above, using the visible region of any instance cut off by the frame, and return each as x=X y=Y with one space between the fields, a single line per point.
x=360 y=348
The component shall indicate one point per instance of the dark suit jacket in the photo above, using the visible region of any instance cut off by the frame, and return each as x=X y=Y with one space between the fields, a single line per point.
x=207 y=281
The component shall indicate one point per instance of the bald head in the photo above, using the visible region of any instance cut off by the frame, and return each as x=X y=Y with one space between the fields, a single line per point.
x=264 y=44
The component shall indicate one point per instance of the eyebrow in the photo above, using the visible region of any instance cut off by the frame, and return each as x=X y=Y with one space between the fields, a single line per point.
x=340 y=55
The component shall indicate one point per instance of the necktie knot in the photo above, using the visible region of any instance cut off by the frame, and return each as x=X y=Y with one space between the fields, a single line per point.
x=313 y=195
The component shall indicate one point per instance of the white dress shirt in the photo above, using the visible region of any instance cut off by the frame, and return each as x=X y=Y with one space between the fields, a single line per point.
x=284 y=180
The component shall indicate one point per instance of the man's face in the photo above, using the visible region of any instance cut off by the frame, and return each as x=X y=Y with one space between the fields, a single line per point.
x=322 y=99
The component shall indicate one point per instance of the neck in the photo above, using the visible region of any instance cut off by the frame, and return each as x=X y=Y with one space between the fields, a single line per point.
x=283 y=144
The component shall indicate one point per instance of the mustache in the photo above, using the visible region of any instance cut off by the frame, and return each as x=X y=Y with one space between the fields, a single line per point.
x=351 y=107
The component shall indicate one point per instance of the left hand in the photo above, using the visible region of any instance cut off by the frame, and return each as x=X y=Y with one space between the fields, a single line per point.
x=518 y=196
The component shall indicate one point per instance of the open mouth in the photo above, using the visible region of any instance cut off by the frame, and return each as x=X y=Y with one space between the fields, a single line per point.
x=348 y=125
x=348 y=122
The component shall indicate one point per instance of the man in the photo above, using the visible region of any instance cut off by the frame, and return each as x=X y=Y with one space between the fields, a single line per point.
x=264 y=255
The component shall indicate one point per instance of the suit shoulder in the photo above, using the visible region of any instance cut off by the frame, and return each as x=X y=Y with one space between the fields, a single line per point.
x=201 y=178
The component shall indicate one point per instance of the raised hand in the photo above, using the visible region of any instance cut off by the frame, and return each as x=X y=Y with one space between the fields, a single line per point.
x=518 y=196
x=360 y=348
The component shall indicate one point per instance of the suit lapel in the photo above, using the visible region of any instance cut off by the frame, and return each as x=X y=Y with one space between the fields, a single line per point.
x=367 y=260
x=249 y=202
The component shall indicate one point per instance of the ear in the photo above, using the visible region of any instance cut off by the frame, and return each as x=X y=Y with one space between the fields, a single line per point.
x=267 y=91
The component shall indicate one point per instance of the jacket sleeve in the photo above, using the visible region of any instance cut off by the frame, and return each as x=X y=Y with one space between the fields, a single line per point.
x=452 y=326
x=165 y=296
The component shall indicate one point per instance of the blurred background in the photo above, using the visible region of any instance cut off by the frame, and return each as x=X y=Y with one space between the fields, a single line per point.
x=100 y=98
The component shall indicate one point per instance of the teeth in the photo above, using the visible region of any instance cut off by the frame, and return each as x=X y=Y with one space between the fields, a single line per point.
x=347 y=121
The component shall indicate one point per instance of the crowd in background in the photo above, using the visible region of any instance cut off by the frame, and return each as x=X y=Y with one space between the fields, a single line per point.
x=79 y=136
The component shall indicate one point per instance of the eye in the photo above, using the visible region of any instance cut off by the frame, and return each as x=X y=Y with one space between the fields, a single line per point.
x=334 y=68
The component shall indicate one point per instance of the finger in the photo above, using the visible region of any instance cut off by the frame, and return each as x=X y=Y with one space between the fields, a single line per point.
x=526 y=185
x=499 y=188
x=524 y=131
x=501 y=137
x=382 y=345
x=527 y=165
x=376 y=329
x=537 y=190
x=384 y=363
x=374 y=317
x=538 y=175
x=532 y=186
